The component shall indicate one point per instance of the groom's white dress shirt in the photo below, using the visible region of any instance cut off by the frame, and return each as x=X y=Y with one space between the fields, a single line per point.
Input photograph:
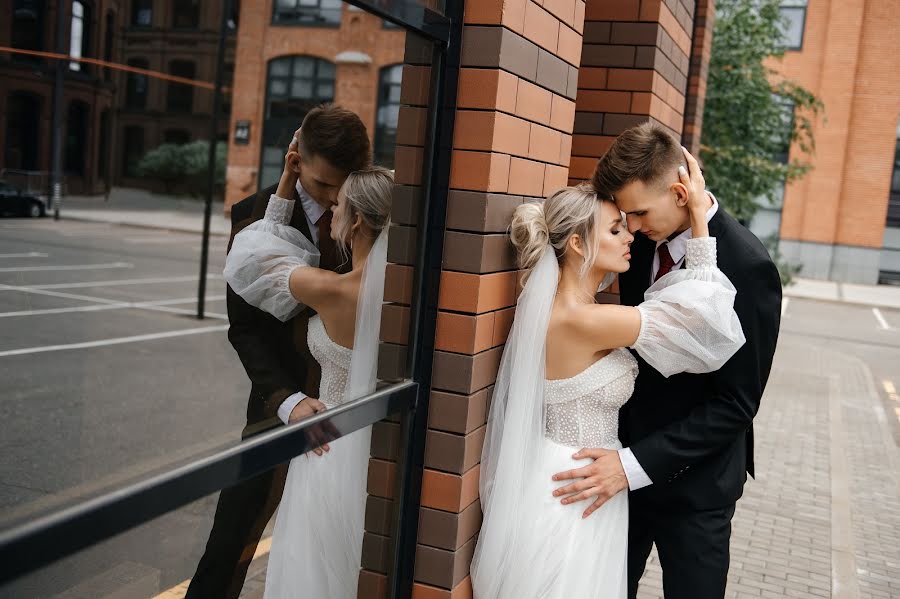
x=637 y=477
x=313 y=211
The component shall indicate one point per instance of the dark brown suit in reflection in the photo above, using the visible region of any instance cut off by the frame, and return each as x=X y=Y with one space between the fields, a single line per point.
x=278 y=363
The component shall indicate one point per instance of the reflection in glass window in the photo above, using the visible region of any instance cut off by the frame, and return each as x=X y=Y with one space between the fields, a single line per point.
x=793 y=15
x=136 y=87
x=142 y=13
x=295 y=85
x=76 y=138
x=307 y=12
x=185 y=14
x=180 y=97
x=27 y=28
x=79 y=40
x=388 y=112
x=133 y=150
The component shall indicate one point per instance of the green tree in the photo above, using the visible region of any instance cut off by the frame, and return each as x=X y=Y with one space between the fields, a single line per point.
x=747 y=122
x=186 y=164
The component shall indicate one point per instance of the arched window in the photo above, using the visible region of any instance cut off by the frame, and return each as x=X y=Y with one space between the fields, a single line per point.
x=180 y=97
x=27 y=28
x=80 y=38
x=142 y=13
x=307 y=12
x=185 y=14
x=76 y=137
x=137 y=85
x=294 y=85
x=388 y=112
x=23 y=122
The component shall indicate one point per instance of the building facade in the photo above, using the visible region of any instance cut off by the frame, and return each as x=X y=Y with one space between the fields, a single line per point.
x=841 y=221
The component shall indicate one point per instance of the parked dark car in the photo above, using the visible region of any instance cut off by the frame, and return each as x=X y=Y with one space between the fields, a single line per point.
x=20 y=203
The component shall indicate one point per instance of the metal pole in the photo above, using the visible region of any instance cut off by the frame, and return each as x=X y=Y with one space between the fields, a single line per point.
x=58 y=85
x=211 y=177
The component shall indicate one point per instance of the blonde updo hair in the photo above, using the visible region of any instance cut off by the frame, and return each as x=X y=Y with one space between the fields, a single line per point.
x=568 y=211
x=368 y=194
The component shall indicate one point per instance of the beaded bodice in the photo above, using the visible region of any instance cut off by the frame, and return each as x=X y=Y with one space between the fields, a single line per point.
x=583 y=410
x=334 y=360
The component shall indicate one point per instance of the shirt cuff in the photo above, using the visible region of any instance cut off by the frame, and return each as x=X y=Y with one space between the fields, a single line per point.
x=288 y=405
x=637 y=478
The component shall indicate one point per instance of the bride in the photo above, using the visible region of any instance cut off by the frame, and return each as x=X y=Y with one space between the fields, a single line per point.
x=564 y=375
x=317 y=542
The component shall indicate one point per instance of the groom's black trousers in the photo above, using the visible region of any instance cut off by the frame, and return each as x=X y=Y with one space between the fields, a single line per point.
x=693 y=548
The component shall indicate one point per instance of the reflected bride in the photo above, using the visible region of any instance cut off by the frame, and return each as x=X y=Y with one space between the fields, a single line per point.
x=319 y=528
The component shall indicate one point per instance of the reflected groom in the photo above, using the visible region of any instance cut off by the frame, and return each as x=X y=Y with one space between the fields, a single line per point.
x=284 y=376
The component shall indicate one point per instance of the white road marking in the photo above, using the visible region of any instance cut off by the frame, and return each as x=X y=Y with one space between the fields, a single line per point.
x=881 y=321
x=25 y=255
x=68 y=267
x=113 y=341
x=120 y=282
x=784 y=306
x=116 y=306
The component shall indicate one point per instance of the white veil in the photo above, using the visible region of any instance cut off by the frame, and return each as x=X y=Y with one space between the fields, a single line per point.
x=364 y=363
x=515 y=430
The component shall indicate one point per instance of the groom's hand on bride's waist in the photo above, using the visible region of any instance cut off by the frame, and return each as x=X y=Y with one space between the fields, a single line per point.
x=603 y=479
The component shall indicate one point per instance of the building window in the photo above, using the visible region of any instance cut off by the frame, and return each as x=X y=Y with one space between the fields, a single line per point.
x=137 y=85
x=176 y=136
x=388 y=112
x=294 y=85
x=76 y=138
x=185 y=14
x=27 y=28
x=180 y=97
x=142 y=13
x=307 y=12
x=80 y=39
x=23 y=125
x=893 y=215
x=793 y=17
x=133 y=150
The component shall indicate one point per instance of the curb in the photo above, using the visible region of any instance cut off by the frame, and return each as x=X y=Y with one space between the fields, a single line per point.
x=172 y=228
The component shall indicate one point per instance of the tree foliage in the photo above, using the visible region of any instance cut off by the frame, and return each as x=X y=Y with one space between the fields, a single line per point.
x=748 y=124
x=184 y=165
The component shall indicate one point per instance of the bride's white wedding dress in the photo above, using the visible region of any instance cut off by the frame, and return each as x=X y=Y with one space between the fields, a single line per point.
x=317 y=542
x=530 y=544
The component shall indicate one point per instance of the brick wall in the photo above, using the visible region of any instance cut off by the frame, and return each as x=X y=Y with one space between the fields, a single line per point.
x=845 y=60
x=634 y=68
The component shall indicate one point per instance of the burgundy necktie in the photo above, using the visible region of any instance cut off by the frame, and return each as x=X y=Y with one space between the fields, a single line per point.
x=665 y=261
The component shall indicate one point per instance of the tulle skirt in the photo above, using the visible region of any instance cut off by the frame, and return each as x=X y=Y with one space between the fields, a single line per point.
x=561 y=555
x=317 y=541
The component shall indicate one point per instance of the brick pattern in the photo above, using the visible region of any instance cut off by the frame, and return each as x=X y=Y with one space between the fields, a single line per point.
x=634 y=68
x=698 y=73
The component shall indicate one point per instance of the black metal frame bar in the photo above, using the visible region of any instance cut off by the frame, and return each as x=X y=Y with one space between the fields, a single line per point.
x=44 y=539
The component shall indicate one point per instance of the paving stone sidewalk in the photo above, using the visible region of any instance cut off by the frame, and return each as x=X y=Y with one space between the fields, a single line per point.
x=822 y=518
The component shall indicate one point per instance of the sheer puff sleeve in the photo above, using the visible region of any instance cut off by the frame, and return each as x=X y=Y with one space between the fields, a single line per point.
x=688 y=322
x=262 y=257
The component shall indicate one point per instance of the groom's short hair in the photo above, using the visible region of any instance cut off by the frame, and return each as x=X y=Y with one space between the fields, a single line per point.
x=338 y=135
x=644 y=153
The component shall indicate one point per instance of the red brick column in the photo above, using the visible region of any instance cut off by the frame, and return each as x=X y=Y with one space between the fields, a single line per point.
x=699 y=72
x=634 y=68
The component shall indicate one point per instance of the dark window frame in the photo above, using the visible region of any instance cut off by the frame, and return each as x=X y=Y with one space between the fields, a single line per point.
x=21 y=22
x=797 y=7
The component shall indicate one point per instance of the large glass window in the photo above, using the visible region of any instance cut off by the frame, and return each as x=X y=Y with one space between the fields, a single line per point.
x=185 y=14
x=136 y=92
x=793 y=15
x=80 y=38
x=294 y=85
x=387 y=115
x=133 y=150
x=76 y=137
x=27 y=28
x=23 y=121
x=180 y=97
x=307 y=12
x=142 y=13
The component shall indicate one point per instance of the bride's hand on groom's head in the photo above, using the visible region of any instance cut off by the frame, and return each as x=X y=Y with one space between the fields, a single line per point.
x=603 y=479
x=692 y=178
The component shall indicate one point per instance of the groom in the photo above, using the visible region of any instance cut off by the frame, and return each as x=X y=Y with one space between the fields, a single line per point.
x=284 y=376
x=688 y=439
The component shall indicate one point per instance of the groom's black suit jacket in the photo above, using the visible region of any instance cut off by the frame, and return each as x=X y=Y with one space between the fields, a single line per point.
x=693 y=433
